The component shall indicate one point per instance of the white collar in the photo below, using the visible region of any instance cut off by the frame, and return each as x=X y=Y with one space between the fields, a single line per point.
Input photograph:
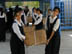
x=53 y=18
x=19 y=23
x=2 y=16
x=40 y=15
x=34 y=13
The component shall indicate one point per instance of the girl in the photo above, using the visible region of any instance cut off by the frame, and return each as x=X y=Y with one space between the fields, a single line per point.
x=48 y=14
x=39 y=20
x=2 y=25
x=18 y=36
x=34 y=15
x=53 y=35
x=23 y=18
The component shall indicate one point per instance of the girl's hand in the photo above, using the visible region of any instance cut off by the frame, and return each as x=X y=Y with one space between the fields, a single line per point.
x=48 y=41
x=23 y=38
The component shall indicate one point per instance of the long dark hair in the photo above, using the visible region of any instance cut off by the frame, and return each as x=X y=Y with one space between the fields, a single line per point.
x=17 y=10
x=39 y=10
x=56 y=8
x=33 y=9
x=1 y=10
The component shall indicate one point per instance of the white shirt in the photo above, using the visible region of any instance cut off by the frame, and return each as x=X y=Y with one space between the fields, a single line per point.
x=28 y=13
x=17 y=31
x=46 y=23
x=56 y=26
x=38 y=20
x=34 y=16
x=25 y=18
x=3 y=16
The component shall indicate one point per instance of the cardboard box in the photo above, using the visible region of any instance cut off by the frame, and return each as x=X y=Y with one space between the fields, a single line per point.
x=29 y=19
x=29 y=32
x=40 y=37
x=34 y=37
x=28 y=29
x=30 y=39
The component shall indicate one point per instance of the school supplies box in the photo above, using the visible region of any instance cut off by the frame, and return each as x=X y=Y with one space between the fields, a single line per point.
x=29 y=19
x=29 y=33
x=40 y=37
x=34 y=37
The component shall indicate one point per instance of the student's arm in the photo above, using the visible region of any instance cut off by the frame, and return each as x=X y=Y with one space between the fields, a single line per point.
x=17 y=31
x=25 y=18
x=52 y=34
x=22 y=23
x=46 y=23
x=28 y=14
x=5 y=17
x=56 y=26
x=34 y=16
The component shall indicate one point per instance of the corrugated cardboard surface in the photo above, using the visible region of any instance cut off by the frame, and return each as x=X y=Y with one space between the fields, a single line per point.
x=29 y=29
x=34 y=37
x=40 y=37
x=30 y=40
x=29 y=19
x=29 y=32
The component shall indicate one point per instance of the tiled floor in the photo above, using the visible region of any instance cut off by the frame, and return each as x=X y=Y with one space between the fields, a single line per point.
x=66 y=45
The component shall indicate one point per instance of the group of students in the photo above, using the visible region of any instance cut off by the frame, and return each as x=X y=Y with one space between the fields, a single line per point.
x=18 y=35
x=7 y=18
x=37 y=17
x=52 y=31
x=17 y=32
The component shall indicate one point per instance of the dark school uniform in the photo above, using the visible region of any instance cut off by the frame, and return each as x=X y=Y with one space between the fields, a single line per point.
x=10 y=19
x=16 y=43
x=24 y=19
x=34 y=16
x=54 y=44
x=39 y=22
x=27 y=12
x=2 y=27
x=46 y=22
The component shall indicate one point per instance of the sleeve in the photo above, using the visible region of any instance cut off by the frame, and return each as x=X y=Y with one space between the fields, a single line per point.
x=28 y=13
x=34 y=16
x=25 y=18
x=17 y=31
x=46 y=23
x=38 y=20
x=56 y=26
x=5 y=17
x=22 y=23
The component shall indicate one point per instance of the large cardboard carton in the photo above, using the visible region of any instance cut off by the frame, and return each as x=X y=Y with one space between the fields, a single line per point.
x=29 y=33
x=34 y=37
x=29 y=29
x=40 y=37
x=29 y=19
x=30 y=39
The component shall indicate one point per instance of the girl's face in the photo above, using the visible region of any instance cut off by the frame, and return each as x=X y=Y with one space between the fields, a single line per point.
x=49 y=12
x=35 y=11
x=19 y=14
x=38 y=12
x=56 y=12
